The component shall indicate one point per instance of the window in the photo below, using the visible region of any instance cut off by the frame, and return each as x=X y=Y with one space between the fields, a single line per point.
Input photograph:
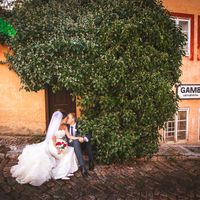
x=185 y=26
x=186 y=23
x=176 y=128
x=170 y=129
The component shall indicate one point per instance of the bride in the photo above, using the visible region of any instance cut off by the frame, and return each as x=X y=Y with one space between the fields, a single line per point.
x=42 y=161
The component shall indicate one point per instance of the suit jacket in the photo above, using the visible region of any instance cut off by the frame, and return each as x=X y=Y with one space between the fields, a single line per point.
x=88 y=135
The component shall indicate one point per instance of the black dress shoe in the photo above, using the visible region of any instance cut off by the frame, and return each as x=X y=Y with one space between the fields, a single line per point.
x=91 y=165
x=84 y=171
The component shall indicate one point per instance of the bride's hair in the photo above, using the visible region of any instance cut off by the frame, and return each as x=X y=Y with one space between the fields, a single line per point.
x=64 y=114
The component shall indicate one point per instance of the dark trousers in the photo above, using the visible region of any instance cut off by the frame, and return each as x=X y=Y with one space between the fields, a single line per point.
x=78 y=151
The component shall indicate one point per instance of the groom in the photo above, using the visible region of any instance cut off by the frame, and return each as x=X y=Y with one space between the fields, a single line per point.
x=83 y=141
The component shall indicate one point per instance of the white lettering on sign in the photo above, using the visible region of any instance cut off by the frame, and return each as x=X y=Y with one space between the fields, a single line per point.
x=189 y=91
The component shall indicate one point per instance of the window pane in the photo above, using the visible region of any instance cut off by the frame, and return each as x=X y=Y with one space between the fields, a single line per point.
x=182 y=125
x=170 y=134
x=186 y=49
x=181 y=135
x=184 y=25
x=177 y=127
x=169 y=130
x=181 y=115
x=186 y=46
x=169 y=137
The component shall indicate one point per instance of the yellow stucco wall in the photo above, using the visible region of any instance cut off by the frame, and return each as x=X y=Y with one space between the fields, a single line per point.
x=21 y=112
x=190 y=68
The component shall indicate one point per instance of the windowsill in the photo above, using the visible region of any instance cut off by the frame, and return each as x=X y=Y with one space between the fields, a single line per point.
x=177 y=142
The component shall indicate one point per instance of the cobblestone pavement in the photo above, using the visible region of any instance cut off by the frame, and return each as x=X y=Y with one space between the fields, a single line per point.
x=163 y=177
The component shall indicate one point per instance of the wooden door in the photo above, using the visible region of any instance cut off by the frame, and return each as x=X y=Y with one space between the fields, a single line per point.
x=60 y=100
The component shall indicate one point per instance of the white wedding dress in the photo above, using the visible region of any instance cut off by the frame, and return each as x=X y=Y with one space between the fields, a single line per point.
x=66 y=162
x=40 y=162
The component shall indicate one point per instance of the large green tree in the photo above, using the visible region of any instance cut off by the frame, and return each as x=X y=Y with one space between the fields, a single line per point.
x=121 y=57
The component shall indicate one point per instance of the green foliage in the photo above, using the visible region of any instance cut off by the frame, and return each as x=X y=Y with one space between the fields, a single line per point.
x=121 y=57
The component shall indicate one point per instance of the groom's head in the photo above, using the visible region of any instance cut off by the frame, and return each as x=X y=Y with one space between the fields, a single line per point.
x=71 y=118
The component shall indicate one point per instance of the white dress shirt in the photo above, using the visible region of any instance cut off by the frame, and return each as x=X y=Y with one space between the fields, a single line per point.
x=74 y=130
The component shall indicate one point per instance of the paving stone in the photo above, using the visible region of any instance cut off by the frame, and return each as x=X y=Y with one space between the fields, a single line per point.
x=3 y=164
x=2 y=156
x=4 y=149
x=4 y=196
x=6 y=188
x=91 y=197
x=11 y=181
x=12 y=155
x=18 y=187
x=50 y=184
x=44 y=197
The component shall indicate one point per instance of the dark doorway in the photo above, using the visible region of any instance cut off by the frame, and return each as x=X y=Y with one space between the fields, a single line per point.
x=61 y=100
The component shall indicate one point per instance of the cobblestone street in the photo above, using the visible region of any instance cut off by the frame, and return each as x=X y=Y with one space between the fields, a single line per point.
x=163 y=177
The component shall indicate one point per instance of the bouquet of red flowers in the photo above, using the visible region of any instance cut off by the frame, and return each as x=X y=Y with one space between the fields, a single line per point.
x=61 y=144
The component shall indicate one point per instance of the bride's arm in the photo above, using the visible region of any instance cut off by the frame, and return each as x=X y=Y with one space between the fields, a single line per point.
x=54 y=143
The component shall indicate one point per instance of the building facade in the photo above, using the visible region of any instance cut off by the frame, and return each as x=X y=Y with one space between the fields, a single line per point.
x=24 y=112
x=184 y=127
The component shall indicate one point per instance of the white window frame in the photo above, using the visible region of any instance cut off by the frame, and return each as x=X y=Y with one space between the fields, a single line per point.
x=176 y=126
x=165 y=132
x=177 y=19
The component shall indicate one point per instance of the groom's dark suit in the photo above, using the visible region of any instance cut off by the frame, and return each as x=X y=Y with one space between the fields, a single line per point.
x=77 y=145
